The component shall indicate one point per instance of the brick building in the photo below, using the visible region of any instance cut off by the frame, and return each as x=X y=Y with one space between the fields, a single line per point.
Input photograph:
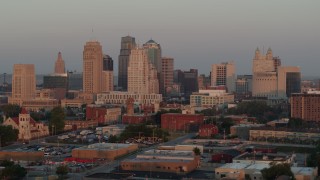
x=306 y=106
x=135 y=119
x=103 y=114
x=208 y=130
x=181 y=122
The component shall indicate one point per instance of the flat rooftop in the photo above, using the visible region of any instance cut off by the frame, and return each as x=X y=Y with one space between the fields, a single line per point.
x=155 y=160
x=234 y=166
x=169 y=153
x=263 y=156
x=104 y=146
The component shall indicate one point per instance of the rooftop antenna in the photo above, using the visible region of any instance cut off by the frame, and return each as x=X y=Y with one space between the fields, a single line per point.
x=92 y=37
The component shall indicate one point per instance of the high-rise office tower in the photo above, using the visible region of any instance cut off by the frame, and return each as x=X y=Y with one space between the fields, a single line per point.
x=167 y=73
x=243 y=86
x=264 y=75
x=23 y=82
x=127 y=43
x=154 y=56
x=107 y=74
x=289 y=81
x=142 y=75
x=59 y=67
x=92 y=67
x=271 y=80
x=223 y=75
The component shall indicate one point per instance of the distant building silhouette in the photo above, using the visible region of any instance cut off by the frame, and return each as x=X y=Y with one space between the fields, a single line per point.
x=59 y=67
x=127 y=43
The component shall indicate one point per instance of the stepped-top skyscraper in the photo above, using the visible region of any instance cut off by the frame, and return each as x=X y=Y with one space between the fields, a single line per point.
x=142 y=75
x=154 y=56
x=92 y=67
x=59 y=67
x=127 y=43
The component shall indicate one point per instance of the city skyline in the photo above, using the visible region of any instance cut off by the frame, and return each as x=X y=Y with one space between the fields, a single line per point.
x=209 y=32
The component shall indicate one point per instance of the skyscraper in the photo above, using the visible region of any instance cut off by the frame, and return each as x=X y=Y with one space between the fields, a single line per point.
x=154 y=56
x=127 y=43
x=289 y=80
x=107 y=74
x=264 y=75
x=23 y=82
x=142 y=75
x=92 y=67
x=59 y=67
x=223 y=75
x=167 y=73
x=271 y=80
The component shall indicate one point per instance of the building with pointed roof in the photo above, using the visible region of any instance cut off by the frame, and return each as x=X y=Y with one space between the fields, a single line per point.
x=59 y=67
x=28 y=128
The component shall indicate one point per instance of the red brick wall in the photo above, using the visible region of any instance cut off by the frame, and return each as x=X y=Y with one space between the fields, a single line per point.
x=127 y=119
x=93 y=113
x=181 y=122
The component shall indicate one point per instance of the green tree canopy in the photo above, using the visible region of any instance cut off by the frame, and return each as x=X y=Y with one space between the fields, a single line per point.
x=62 y=170
x=8 y=134
x=10 y=110
x=13 y=171
x=276 y=170
x=56 y=120
x=196 y=151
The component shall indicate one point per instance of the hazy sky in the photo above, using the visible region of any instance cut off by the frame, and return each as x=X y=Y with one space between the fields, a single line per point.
x=195 y=33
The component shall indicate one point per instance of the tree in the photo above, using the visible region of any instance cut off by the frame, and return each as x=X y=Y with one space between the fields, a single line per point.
x=112 y=139
x=10 y=110
x=196 y=151
x=276 y=170
x=225 y=124
x=61 y=171
x=12 y=171
x=56 y=120
x=8 y=134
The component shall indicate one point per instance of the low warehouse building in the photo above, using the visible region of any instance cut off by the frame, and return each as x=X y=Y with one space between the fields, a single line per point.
x=163 y=161
x=22 y=155
x=108 y=151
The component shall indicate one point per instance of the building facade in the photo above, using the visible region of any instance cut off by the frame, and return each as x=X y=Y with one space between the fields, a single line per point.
x=23 y=83
x=92 y=67
x=27 y=127
x=223 y=75
x=306 y=106
x=243 y=86
x=59 y=67
x=210 y=98
x=167 y=73
x=181 y=122
x=127 y=43
x=142 y=75
x=154 y=56
x=117 y=97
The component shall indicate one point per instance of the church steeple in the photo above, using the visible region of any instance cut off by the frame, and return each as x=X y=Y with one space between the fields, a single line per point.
x=269 y=54
x=257 y=54
x=59 y=65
